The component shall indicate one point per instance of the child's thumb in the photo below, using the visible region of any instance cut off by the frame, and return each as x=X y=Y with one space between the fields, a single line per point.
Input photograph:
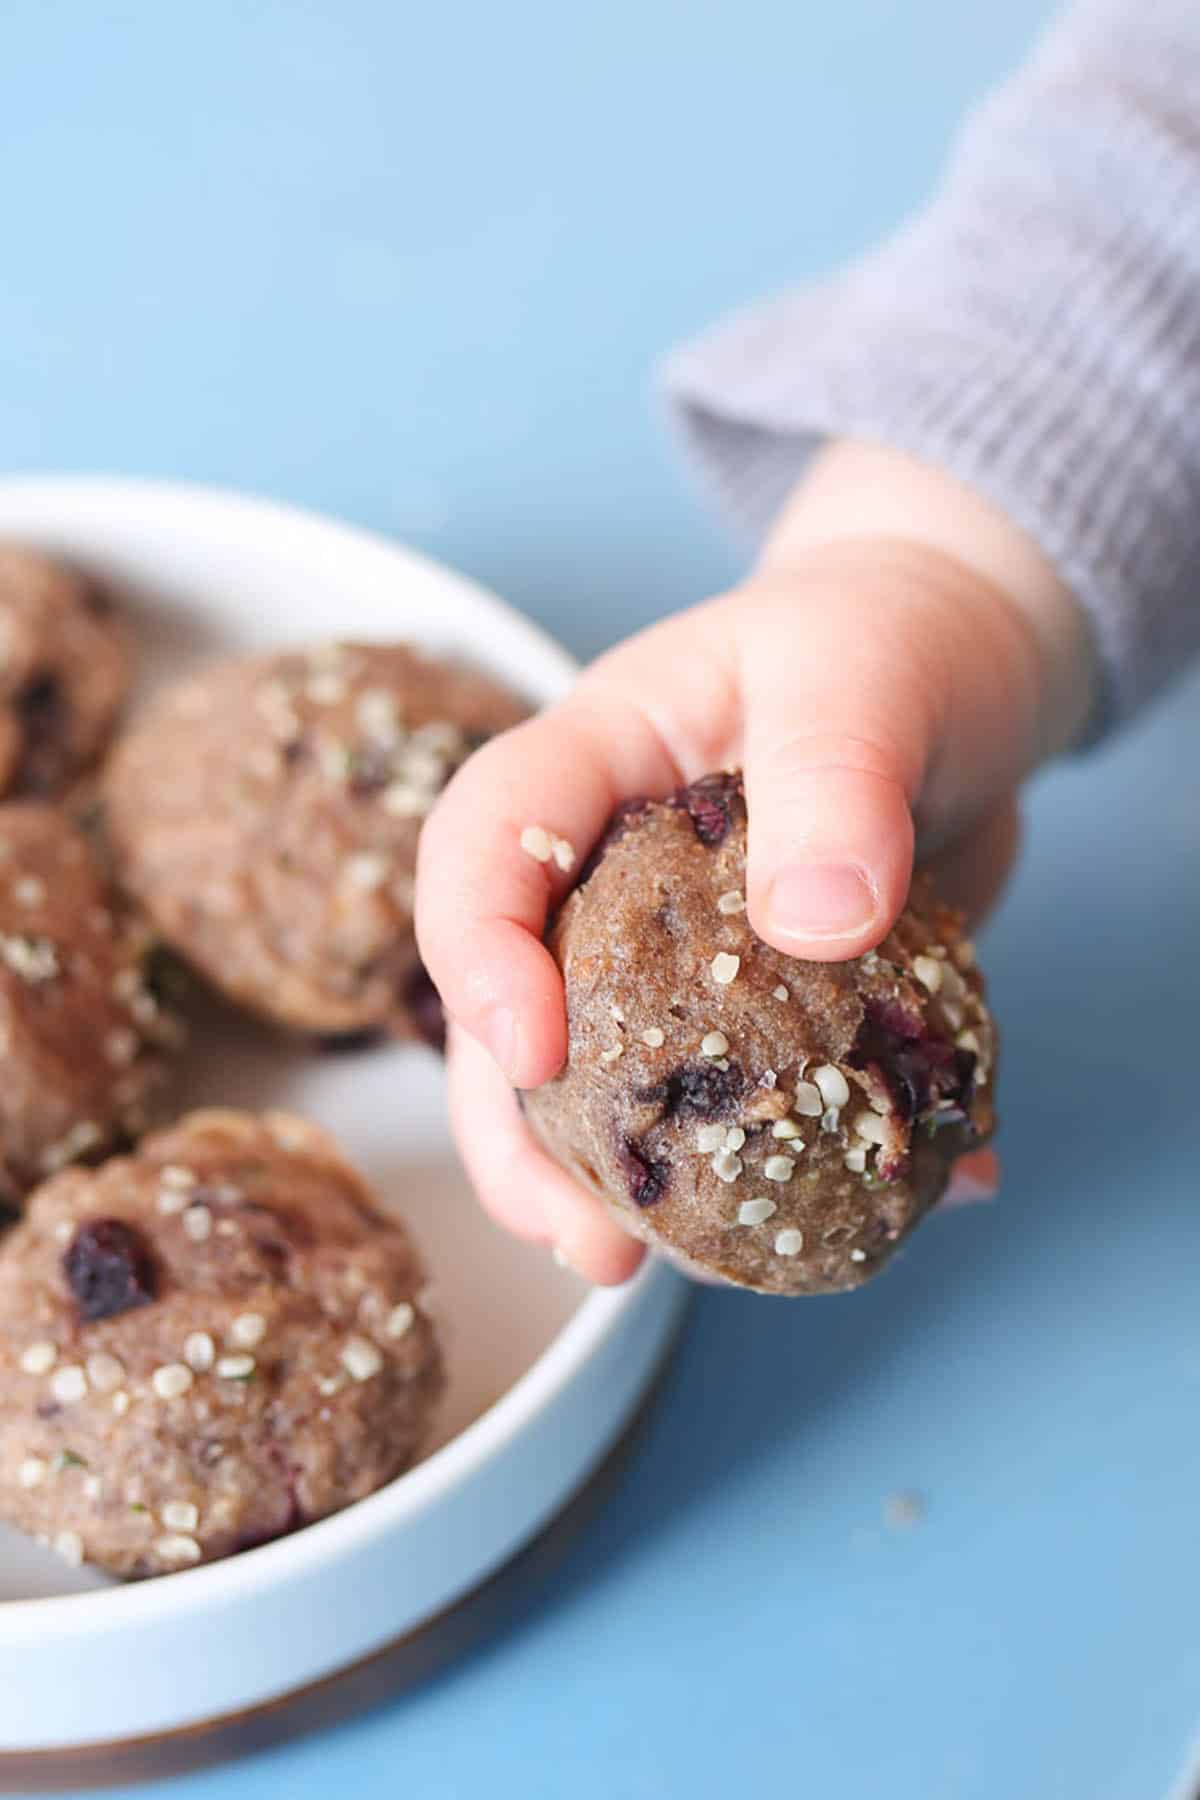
x=831 y=764
x=831 y=844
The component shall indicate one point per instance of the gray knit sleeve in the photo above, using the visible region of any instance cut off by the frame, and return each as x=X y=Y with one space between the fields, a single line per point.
x=1036 y=332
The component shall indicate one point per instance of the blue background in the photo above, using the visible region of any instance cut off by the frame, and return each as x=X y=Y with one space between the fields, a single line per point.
x=412 y=265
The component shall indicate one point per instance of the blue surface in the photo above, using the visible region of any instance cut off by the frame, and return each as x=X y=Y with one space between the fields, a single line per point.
x=412 y=265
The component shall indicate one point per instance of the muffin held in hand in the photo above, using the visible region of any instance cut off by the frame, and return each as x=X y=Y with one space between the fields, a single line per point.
x=81 y=1023
x=267 y=815
x=64 y=674
x=775 y=1123
x=206 y=1345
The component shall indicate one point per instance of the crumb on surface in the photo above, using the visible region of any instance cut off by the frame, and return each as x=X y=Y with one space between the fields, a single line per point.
x=904 y=1509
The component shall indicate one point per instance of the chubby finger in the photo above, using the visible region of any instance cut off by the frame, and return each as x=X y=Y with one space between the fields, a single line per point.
x=517 y=1183
x=972 y=869
x=883 y=682
x=498 y=853
x=837 y=733
x=974 y=1177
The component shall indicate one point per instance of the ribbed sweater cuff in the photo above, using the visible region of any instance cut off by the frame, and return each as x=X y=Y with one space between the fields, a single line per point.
x=1054 y=448
x=1036 y=333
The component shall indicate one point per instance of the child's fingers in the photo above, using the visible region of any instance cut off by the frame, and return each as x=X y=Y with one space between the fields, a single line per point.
x=490 y=1135
x=872 y=683
x=497 y=854
x=971 y=870
x=974 y=1177
x=517 y=1183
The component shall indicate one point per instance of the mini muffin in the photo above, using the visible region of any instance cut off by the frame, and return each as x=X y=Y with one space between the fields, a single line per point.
x=205 y=1345
x=81 y=1020
x=774 y=1123
x=267 y=813
x=64 y=674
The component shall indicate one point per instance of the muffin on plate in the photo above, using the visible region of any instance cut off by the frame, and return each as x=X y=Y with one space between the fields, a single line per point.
x=205 y=1345
x=64 y=674
x=266 y=814
x=774 y=1123
x=82 y=1023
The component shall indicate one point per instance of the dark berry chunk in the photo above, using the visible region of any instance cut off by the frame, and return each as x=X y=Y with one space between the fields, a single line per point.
x=645 y=1178
x=370 y=772
x=952 y=1090
x=906 y=1080
x=704 y=1089
x=897 y=1020
x=926 y=1077
x=712 y=804
x=423 y=1004
x=165 y=979
x=965 y=1062
x=41 y=705
x=109 y=1269
x=96 y=599
x=41 y=709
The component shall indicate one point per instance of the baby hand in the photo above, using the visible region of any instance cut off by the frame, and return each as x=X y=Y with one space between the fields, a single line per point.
x=900 y=658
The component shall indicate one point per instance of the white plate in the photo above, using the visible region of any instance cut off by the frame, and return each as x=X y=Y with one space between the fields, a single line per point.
x=543 y=1373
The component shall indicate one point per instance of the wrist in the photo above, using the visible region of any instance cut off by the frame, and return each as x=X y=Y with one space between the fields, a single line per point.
x=857 y=491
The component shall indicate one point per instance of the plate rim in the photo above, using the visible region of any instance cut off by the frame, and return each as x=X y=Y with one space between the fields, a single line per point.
x=599 y=1313
x=96 y=489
